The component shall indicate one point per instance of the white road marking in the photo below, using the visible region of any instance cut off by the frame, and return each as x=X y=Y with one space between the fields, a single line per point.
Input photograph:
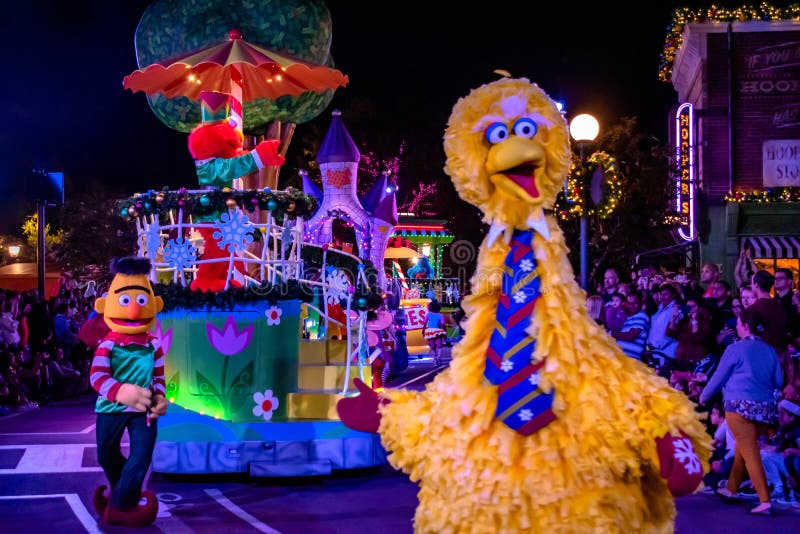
x=86 y=430
x=238 y=512
x=49 y=459
x=420 y=377
x=74 y=502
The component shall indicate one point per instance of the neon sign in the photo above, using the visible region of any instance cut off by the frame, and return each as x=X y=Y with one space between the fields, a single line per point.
x=684 y=143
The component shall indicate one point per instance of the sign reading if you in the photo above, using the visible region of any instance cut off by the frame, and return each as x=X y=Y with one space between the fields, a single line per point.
x=781 y=163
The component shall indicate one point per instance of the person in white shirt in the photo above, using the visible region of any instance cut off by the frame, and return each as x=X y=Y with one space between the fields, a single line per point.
x=657 y=338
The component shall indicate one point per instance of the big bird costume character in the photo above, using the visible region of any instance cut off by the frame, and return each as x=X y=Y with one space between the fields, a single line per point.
x=541 y=423
x=128 y=374
x=216 y=146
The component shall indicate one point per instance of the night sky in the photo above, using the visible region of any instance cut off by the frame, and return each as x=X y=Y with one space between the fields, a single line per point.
x=64 y=62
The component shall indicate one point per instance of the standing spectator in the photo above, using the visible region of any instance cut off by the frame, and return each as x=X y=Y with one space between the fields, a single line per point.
x=771 y=311
x=727 y=333
x=596 y=309
x=745 y=268
x=709 y=273
x=610 y=283
x=748 y=375
x=784 y=280
x=633 y=334
x=747 y=296
x=63 y=331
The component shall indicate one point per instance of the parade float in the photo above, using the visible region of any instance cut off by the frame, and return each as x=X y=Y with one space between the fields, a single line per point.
x=253 y=371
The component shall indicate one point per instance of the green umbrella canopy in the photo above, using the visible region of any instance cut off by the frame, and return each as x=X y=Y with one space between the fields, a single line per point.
x=298 y=28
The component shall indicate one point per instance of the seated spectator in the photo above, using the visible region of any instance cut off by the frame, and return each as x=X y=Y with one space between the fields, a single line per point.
x=9 y=327
x=727 y=333
x=657 y=338
x=633 y=334
x=62 y=379
x=774 y=451
x=690 y=326
x=615 y=312
x=709 y=273
x=790 y=412
x=724 y=446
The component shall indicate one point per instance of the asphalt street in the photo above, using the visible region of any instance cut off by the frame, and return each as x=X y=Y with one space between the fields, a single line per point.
x=48 y=470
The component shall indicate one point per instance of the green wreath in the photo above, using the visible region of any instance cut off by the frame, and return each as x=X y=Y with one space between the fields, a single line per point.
x=574 y=201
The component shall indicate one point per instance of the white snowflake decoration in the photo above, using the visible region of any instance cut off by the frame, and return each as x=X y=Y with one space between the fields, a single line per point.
x=152 y=240
x=526 y=265
x=266 y=404
x=534 y=380
x=526 y=414
x=338 y=285
x=507 y=366
x=684 y=454
x=273 y=315
x=519 y=297
x=233 y=231
x=179 y=254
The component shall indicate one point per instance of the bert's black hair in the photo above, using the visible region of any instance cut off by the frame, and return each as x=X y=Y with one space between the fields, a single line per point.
x=130 y=265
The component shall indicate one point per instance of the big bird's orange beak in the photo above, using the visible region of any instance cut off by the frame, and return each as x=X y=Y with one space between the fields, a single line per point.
x=512 y=166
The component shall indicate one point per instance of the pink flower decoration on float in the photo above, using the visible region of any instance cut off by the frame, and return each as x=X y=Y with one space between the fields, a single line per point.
x=266 y=404
x=164 y=338
x=230 y=340
x=273 y=315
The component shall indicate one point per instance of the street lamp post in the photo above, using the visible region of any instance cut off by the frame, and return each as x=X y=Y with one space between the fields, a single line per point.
x=584 y=129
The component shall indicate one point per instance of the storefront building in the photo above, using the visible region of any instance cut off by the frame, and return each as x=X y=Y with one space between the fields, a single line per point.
x=737 y=134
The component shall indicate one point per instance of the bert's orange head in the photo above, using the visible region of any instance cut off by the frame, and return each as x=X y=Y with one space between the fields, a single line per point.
x=130 y=306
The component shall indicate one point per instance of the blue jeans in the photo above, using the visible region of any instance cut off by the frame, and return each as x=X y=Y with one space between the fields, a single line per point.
x=125 y=476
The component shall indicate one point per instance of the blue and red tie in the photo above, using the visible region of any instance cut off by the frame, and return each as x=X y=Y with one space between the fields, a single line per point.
x=521 y=404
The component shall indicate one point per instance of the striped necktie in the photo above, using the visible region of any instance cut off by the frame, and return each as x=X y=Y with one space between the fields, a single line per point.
x=521 y=404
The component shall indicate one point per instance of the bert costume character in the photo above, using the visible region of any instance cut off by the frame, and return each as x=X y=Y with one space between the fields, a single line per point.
x=216 y=146
x=541 y=423
x=128 y=374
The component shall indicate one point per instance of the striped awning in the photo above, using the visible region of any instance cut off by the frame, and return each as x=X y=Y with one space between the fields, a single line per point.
x=773 y=246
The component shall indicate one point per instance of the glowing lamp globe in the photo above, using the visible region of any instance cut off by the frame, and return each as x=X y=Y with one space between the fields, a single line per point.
x=584 y=127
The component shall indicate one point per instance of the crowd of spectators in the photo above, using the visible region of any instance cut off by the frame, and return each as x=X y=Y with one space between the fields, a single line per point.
x=42 y=358
x=689 y=328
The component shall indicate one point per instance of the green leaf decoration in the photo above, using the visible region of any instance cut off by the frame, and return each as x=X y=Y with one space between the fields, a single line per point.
x=173 y=386
x=240 y=394
x=212 y=399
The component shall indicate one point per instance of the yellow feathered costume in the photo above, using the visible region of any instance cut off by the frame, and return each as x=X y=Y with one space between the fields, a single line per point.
x=596 y=467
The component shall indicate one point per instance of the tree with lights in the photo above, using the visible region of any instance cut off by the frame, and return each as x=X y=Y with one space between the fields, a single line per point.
x=630 y=218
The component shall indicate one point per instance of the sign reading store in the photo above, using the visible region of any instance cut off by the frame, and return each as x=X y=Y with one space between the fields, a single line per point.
x=781 y=163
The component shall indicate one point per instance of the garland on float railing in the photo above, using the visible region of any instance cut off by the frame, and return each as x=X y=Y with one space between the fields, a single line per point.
x=773 y=195
x=571 y=203
x=685 y=15
x=282 y=204
x=177 y=296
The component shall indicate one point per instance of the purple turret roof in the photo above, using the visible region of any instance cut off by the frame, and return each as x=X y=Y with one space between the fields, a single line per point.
x=310 y=188
x=387 y=209
x=338 y=146
x=375 y=194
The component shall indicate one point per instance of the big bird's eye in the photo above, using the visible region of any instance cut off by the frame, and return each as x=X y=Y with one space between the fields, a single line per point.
x=141 y=299
x=124 y=299
x=525 y=127
x=496 y=132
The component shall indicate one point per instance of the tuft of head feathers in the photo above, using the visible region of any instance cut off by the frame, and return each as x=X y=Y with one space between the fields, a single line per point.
x=130 y=265
x=466 y=148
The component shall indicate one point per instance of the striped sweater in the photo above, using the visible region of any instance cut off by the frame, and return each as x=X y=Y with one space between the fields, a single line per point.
x=126 y=359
